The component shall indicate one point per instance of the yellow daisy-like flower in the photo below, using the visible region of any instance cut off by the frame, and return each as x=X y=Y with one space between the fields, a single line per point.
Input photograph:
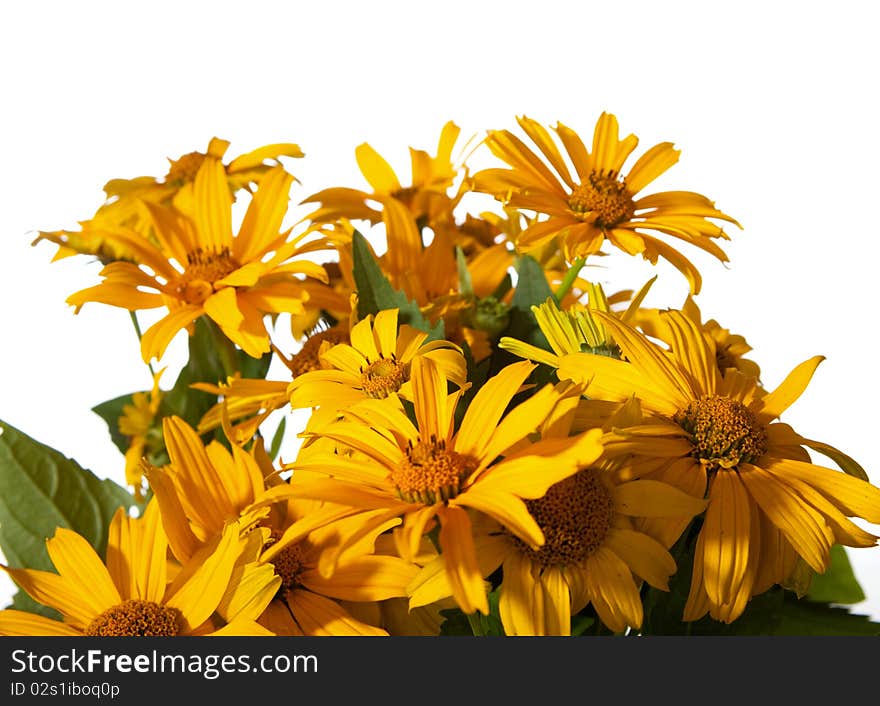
x=575 y=329
x=431 y=179
x=730 y=348
x=716 y=434
x=205 y=488
x=376 y=365
x=593 y=553
x=428 y=472
x=124 y=206
x=199 y=267
x=599 y=203
x=131 y=594
x=139 y=423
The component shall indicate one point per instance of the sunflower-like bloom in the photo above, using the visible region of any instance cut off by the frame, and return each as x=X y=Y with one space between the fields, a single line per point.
x=574 y=329
x=124 y=206
x=198 y=267
x=715 y=434
x=375 y=365
x=593 y=553
x=139 y=422
x=425 y=198
x=132 y=594
x=428 y=473
x=205 y=488
x=730 y=348
x=599 y=202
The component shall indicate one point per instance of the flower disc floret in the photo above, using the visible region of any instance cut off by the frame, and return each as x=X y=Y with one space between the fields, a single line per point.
x=724 y=432
x=430 y=473
x=136 y=618
x=575 y=516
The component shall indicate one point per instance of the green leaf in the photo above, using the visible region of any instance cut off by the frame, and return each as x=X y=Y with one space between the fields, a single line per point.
x=40 y=490
x=375 y=292
x=277 y=438
x=838 y=584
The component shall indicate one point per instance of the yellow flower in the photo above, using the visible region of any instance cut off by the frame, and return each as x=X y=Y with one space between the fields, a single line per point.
x=574 y=329
x=716 y=434
x=124 y=207
x=729 y=348
x=205 y=488
x=593 y=553
x=599 y=202
x=198 y=267
x=376 y=365
x=425 y=198
x=130 y=594
x=429 y=473
x=139 y=423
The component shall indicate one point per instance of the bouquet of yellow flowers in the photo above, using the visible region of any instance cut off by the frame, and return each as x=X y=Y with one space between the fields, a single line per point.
x=492 y=443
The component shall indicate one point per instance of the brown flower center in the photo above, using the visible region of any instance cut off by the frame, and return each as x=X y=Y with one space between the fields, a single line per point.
x=603 y=199
x=382 y=377
x=431 y=473
x=574 y=515
x=724 y=432
x=184 y=168
x=307 y=358
x=136 y=618
x=203 y=269
x=289 y=563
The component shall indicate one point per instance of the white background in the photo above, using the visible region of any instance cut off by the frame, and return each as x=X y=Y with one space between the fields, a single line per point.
x=772 y=104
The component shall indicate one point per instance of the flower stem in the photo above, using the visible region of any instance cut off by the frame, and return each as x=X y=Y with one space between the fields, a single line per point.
x=476 y=624
x=569 y=278
x=137 y=330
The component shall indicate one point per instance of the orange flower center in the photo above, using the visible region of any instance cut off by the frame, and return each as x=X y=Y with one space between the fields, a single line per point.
x=603 y=199
x=724 y=432
x=574 y=515
x=136 y=618
x=307 y=358
x=382 y=377
x=430 y=473
x=203 y=269
x=184 y=168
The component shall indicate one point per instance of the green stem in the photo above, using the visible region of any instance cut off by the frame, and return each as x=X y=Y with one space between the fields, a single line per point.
x=137 y=330
x=476 y=624
x=569 y=278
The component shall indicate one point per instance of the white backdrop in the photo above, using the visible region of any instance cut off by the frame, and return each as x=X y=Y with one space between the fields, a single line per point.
x=772 y=104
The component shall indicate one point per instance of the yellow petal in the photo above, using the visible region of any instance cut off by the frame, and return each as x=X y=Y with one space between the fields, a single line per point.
x=776 y=402
x=79 y=564
x=651 y=498
x=645 y=556
x=487 y=407
x=317 y=615
x=18 y=623
x=376 y=170
x=156 y=338
x=366 y=578
x=726 y=532
x=518 y=604
x=457 y=547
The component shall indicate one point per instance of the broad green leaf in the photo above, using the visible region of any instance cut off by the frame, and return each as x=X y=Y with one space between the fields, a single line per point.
x=375 y=292
x=41 y=490
x=838 y=584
